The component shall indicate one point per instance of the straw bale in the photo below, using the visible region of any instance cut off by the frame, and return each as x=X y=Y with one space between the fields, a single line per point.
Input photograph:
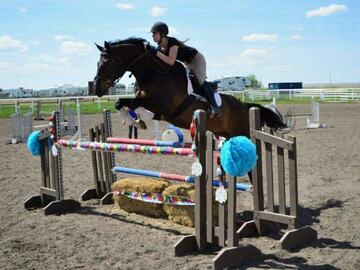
x=181 y=214
x=142 y=185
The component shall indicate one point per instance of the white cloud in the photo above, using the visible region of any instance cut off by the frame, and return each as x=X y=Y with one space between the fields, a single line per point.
x=72 y=47
x=173 y=31
x=253 y=54
x=64 y=61
x=9 y=43
x=326 y=11
x=63 y=37
x=295 y=28
x=295 y=37
x=22 y=9
x=124 y=6
x=259 y=37
x=6 y=66
x=157 y=11
x=34 y=67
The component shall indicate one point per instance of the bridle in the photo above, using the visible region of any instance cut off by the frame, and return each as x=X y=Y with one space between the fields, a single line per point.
x=147 y=54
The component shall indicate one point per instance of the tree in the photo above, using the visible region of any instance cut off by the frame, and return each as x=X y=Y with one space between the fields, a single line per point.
x=254 y=82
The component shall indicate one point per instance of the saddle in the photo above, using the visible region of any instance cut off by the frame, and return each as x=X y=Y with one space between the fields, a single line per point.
x=196 y=86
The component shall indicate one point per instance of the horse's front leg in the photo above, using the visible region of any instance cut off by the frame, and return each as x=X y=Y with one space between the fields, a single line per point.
x=131 y=103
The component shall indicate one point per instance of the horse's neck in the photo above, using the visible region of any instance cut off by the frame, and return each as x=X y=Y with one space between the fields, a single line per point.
x=167 y=92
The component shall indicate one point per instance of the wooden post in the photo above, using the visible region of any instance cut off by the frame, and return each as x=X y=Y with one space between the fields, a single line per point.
x=257 y=178
x=198 y=241
x=91 y=88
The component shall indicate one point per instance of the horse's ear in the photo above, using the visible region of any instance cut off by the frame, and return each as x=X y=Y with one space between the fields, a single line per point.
x=99 y=47
x=107 y=46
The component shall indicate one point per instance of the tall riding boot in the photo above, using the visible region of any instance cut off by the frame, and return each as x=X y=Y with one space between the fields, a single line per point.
x=209 y=92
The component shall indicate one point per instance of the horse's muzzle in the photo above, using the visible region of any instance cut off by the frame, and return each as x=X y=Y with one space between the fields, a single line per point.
x=97 y=87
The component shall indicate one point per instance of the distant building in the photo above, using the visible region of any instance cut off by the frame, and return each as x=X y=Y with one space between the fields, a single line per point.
x=285 y=85
x=63 y=90
x=19 y=93
x=233 y=83
x=117 y=89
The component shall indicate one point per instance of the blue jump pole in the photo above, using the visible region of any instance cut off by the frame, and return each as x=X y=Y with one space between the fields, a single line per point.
x=175 y=177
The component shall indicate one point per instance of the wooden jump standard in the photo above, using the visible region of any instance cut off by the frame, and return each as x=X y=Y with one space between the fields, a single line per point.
x=225 y=235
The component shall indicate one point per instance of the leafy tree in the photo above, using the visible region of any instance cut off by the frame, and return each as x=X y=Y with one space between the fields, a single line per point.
x=254 y=82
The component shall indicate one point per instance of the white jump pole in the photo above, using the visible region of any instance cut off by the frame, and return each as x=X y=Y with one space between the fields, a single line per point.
x=78 y=118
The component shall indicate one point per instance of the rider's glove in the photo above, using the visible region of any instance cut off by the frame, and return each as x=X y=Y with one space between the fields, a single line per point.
x=150 y=48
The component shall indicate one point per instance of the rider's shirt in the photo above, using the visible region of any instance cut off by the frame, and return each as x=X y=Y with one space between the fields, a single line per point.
x=185 y=53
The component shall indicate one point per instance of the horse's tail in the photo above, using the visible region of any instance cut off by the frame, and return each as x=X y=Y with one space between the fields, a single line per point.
x=270 y=117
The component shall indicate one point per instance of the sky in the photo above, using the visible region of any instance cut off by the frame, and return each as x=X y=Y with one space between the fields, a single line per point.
x=47 y=43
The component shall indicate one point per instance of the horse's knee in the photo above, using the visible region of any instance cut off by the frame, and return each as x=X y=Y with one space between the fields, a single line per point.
x=118 y=104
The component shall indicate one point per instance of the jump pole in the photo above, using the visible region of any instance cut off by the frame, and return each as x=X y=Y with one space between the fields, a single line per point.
x=148 y=142
x=132 y=148
x=174 y=177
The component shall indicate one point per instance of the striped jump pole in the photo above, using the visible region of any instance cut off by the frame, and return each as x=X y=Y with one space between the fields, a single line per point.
x=148 y=142
x=169 y=176
x=132 y=148
x=175 y=177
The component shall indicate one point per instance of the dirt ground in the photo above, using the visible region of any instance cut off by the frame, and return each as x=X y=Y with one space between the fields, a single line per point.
x=103 y=237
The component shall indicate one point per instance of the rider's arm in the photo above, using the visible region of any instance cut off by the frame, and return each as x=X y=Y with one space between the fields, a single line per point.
x=170 y=60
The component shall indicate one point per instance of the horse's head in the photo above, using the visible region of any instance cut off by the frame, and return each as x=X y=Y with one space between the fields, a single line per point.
x=115 y=59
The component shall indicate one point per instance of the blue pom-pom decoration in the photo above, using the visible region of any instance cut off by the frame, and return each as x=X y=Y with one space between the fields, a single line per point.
x=238 y=156
x=33 y=144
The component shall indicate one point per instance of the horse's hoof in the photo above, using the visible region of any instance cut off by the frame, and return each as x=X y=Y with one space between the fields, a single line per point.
x=142 y=124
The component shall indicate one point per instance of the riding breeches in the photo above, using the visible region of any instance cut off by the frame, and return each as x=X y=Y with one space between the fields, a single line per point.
x=198 y=67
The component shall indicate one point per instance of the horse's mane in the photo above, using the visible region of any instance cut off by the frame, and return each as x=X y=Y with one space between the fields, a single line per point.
x=140 y=42
x=131 y=40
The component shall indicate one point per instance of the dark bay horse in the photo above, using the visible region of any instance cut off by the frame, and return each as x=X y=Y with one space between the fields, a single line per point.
x=163 y=90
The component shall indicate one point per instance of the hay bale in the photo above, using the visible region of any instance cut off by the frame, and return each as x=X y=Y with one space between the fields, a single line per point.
x=142 y=185
x=181 y=214
x=185 y=214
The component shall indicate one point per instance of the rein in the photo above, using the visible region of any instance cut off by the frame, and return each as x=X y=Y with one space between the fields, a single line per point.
x=146 y=53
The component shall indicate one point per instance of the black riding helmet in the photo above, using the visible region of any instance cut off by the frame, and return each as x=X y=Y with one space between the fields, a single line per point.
x=160 y=27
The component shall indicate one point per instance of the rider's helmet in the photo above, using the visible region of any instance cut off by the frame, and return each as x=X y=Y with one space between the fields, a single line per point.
x=160 y=27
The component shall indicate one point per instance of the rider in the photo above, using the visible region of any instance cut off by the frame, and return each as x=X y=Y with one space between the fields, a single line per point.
x=170 y=49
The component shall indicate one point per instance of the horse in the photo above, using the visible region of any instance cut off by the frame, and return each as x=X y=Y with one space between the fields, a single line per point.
x=163 y=90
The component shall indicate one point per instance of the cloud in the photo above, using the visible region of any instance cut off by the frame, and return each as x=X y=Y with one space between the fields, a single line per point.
x=34 y=68
x=157 y=11
x=253 y=53
x=27 y=68
x=247 y=59
x=63 y=37
x=124 y=6
x=326 y=11
x=8 y=43
x=72 y=47
x=295 y=37
x=64 y=61
x=259 y=37
x=6 y=66
x=295 y=28
x=22 y=9
x=173 y=31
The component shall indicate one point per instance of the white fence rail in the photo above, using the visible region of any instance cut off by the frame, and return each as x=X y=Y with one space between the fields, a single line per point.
x=326 y=95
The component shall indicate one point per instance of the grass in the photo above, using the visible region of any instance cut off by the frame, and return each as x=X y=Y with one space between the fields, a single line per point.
x=86 y=108
x=93 y=107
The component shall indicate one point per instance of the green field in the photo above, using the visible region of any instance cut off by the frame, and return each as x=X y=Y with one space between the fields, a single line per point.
x=93 y=107
x=85 y=108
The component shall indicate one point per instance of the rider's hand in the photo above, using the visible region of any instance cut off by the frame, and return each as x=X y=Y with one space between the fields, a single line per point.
x=150 y=49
